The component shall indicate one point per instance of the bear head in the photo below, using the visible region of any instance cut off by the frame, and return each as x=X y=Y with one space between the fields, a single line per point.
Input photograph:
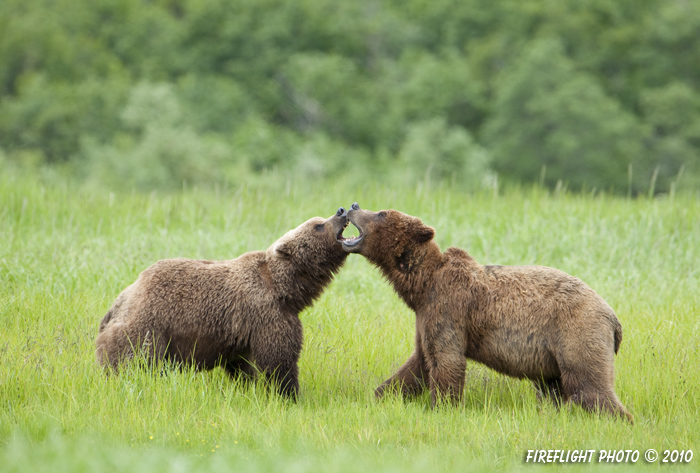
x=313 y=246
x=390 y=239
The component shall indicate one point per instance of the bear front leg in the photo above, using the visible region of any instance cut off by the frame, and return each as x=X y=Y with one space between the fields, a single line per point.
x=275 y=351
x=410 y=378
x=446 y=378
x=446 y=363
x=286 y=378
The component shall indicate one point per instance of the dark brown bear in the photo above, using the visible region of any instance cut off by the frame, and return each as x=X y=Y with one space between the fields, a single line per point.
x=524 y=321
x=241 y=314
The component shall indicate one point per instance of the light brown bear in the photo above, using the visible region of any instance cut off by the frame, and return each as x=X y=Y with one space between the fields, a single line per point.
x=241 y=314
x=524 y=321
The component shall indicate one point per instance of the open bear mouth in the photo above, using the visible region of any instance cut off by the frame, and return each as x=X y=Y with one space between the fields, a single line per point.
x=352 y=241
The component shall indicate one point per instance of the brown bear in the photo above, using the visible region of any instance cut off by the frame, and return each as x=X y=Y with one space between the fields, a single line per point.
x=528 y=322
x=241 y=314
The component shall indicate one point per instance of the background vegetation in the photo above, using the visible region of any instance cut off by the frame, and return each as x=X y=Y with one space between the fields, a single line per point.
x=144 y=95
x=67 y=252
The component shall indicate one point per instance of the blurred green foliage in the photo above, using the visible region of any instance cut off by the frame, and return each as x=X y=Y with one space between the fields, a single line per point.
x=137 y=94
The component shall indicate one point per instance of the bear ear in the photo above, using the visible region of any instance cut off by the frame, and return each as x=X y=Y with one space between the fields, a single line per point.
x=424 y=233
x=284 y=249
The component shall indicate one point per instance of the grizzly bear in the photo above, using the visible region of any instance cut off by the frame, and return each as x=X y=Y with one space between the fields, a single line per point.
x=528 y=322
x=241 y=314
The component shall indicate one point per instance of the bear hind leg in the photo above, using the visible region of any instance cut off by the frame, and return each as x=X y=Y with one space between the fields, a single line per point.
x=240 y=370
x=608 y=402
x=113 y=347
x=117 y=344
x=550 y=389
x=594 y=398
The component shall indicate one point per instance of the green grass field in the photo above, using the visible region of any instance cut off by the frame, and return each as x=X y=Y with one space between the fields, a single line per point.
x=66 y=252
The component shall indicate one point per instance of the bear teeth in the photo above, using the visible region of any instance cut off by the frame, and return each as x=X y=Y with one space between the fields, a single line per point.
x=351 y=240
x=339 y=236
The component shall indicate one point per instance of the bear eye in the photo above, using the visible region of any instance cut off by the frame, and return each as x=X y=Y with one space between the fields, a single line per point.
x=320 y=227
x=382 y=214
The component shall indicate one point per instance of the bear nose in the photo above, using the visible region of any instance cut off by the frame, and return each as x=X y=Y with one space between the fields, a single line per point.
x=355 y=206
x=341 y=212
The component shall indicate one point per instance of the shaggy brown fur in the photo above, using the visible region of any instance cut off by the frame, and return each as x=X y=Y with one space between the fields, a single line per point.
x=241 y=314
x=524 y=321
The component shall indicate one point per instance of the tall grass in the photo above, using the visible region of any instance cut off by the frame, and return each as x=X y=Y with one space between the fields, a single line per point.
x=67 y=252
